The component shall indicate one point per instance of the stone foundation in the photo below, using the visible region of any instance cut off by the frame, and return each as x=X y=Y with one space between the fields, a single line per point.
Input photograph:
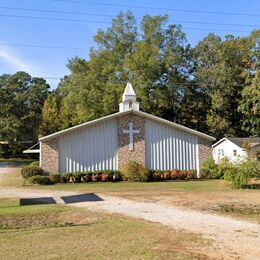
x=50 y=155
x=138 y=153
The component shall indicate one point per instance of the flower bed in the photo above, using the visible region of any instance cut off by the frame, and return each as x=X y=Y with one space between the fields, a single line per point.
x=37 y=176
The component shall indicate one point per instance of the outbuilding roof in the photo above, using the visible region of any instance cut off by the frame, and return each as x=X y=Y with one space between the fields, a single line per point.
x=239 y=141
x=140 y=113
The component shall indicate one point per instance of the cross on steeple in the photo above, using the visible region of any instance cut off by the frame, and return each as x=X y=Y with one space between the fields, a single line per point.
x=131 y=133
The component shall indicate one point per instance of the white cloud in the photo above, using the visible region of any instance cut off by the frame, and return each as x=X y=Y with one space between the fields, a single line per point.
x=14 y=61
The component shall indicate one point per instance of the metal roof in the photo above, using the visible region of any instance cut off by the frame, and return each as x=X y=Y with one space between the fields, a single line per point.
x=239 y=141
x=140 y=113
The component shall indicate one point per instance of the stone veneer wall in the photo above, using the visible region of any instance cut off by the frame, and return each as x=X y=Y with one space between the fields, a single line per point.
x=124 y=154
x=50 y=155
x=205 y=150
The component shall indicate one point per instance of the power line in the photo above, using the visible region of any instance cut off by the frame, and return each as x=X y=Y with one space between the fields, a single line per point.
x=52 y=19
x=106 y=22
x=54 y=11
x=112 y=16
x=40 y=46
x=176 y=10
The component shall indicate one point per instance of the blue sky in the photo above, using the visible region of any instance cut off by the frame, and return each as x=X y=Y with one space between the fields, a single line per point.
x=79 y=35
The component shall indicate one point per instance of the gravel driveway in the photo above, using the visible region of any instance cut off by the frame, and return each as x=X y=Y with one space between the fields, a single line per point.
x=235 y=238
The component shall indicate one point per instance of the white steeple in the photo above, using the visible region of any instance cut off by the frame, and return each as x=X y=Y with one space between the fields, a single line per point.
x=129 y=93
x=129 y=99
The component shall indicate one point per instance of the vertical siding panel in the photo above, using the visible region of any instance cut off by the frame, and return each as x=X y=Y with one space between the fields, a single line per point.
x=92 y=148
x=184 y=161
x=174 y=166
x=169 y=148
x=154 y=158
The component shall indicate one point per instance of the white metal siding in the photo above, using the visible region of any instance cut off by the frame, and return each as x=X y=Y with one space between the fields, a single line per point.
x=89 y=149
x=168 y=148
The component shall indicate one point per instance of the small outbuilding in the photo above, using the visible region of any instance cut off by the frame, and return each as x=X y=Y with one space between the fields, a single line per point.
x=235 y=149
x=110 y=142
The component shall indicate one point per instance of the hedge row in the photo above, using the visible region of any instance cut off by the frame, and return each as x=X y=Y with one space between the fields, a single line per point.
x=91 y=176
x=35 y=174
x=173 y=175
x=105 y=176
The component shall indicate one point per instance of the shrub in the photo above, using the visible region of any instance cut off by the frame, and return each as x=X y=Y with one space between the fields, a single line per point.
x=223 y=166
x=42 y=180
x=35 y=163
x=182 y=175
x=95 y=177
x=166 y=175
x=157 y=176
x=133 y=171
x=229 y=173
x=191 y=174
x=54 y=177
x=66 y=176
x=209 y=169
x=174 y=174
x=245 y=171
x=105 y=176
x=86 y=176
x=76 y=176
x=116 y=176
x=30 y=171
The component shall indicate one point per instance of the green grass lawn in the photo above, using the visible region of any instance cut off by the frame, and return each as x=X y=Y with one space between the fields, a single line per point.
x=20 y=161
x=62 y=232
x=205 y=195
x=196 y=186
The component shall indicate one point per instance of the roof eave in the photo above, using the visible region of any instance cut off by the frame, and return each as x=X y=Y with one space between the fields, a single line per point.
x=197 y=133
x=187 y=129
x=89 y=123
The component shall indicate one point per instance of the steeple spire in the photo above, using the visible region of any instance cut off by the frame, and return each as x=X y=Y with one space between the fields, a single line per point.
x=129 y=93
x=129 y=99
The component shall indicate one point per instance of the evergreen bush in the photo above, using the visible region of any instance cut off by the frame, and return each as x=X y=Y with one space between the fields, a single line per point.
x=134 y=171
x=30 y=171
x=42 y=180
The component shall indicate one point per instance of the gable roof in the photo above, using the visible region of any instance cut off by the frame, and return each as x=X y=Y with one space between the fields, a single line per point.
x=140 y=113
x=239 y=141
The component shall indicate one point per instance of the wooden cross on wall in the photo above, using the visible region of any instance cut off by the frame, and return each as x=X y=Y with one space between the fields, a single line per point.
x=131 y=133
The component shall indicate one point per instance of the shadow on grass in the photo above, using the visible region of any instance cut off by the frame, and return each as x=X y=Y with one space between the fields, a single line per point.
x=36 y=201
x=88 y=197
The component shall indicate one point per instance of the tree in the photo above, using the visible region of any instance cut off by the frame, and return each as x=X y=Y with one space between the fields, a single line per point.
x=154 y=60
x=50 y=115
x=21 y=98
x=250 y=107
x=204 y=87
x=224 y=67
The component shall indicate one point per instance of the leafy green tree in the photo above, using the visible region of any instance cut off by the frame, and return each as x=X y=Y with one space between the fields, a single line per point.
x=50 y=115
x=21 y=99
x=250 y=107
x=224 y=67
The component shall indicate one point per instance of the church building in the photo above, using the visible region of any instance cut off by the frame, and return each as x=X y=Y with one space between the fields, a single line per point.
x=110 y=142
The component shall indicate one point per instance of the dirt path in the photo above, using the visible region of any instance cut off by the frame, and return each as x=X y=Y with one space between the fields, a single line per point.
x=236 y=239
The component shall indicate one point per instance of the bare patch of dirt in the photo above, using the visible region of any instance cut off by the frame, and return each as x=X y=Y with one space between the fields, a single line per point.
x=48 y=219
